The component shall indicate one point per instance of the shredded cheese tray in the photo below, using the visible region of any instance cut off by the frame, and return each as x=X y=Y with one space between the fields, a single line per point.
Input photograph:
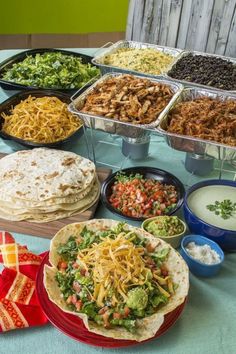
x=41 y=120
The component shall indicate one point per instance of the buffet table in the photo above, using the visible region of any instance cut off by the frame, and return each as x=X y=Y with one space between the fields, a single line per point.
x=208 y=322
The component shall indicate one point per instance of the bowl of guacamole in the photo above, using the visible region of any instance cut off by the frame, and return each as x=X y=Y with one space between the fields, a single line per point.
x=169 y=228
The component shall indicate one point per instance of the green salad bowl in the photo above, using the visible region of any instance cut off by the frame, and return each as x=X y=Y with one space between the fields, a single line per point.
x=175 y=239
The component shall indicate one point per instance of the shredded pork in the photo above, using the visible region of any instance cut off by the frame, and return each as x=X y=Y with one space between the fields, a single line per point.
x=205 y=118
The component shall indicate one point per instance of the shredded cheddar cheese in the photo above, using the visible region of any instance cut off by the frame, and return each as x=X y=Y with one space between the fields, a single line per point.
x=115 y=265
x=40 y=119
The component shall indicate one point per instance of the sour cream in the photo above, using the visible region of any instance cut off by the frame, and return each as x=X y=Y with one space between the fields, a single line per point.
x=200 y=198
x=203 y=253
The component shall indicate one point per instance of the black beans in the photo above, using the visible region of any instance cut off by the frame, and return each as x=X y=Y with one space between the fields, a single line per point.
x=206 y=70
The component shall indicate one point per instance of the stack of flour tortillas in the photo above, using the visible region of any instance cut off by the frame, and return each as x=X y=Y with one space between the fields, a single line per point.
x=42 y=185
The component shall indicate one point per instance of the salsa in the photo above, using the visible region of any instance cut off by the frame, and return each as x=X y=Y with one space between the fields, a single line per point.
x=136 y=196
x=165 y=226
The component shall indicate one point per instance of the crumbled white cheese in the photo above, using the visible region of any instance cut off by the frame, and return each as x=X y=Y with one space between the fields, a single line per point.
x=203 y=254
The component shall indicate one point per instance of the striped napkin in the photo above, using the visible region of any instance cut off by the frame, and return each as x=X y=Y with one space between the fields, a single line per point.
x=19 y=306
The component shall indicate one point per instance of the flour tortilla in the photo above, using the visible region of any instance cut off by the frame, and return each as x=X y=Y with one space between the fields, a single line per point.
x=56 y=212
x=148 y=326
x=59 y=203
x=42 y=174
x=19 y=204
x=42 y=185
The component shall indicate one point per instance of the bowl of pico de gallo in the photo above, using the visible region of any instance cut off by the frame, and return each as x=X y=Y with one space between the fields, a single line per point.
x=139 y=193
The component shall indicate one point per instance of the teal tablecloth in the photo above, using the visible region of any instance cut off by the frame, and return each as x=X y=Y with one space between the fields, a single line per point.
x=208 y=322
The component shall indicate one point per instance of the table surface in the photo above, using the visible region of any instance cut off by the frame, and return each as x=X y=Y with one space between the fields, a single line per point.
x=208 y=322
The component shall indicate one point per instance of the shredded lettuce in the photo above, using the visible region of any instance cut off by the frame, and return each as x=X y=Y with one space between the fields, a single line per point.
x=130 y=325
x=51 y=70
x=65 y=284
x=69 y=250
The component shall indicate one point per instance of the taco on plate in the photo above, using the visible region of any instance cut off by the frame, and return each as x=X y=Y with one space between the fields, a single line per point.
x=120 y=280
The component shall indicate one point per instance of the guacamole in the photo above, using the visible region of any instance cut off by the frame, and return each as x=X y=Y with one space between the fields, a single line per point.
x=137 y=299
x=165 y=226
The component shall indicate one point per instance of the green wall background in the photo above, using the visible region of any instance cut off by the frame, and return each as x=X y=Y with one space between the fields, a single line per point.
x=62 y=16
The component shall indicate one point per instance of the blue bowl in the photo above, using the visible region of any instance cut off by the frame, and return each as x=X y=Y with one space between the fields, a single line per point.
x=225 y=238
x=196 y=267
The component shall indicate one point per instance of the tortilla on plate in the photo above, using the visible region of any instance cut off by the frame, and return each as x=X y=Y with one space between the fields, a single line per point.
x=86 y=258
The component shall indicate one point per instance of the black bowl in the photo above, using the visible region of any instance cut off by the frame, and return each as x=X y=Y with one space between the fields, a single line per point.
x=148 y=173
x=19 y=144
x=9 y=86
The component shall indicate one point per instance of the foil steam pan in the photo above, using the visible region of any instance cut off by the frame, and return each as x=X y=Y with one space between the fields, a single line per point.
x=113 y=126
x=194 y=84
x=98 y=60
x=189 y=143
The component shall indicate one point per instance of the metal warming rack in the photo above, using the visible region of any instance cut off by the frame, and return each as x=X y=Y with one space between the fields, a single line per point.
x=183 y=90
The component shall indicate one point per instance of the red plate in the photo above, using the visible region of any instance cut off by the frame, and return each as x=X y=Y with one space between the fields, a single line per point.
x=73 y=326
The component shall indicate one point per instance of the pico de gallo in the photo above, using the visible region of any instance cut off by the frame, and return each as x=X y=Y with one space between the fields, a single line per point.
x=136 y=196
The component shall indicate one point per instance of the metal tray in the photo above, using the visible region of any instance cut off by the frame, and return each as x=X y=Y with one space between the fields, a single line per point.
x=98 y=59
x=189 y=143
x=113 y=126
x=194 y=84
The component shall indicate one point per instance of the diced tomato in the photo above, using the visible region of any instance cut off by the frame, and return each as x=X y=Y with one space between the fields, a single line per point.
x=83 y=271
x=62 y=265
x=115 y=202
x=79 y=305
x=102 y=310
x=117 y=315
x=157 y=195
x=126 y=311
x=135 y=182
x=75 y=265
x=146 y=213
x=105 y=317
x=73 y=299
x=125 y=210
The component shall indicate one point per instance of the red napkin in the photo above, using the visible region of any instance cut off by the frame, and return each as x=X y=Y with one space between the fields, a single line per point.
x=19 y=306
